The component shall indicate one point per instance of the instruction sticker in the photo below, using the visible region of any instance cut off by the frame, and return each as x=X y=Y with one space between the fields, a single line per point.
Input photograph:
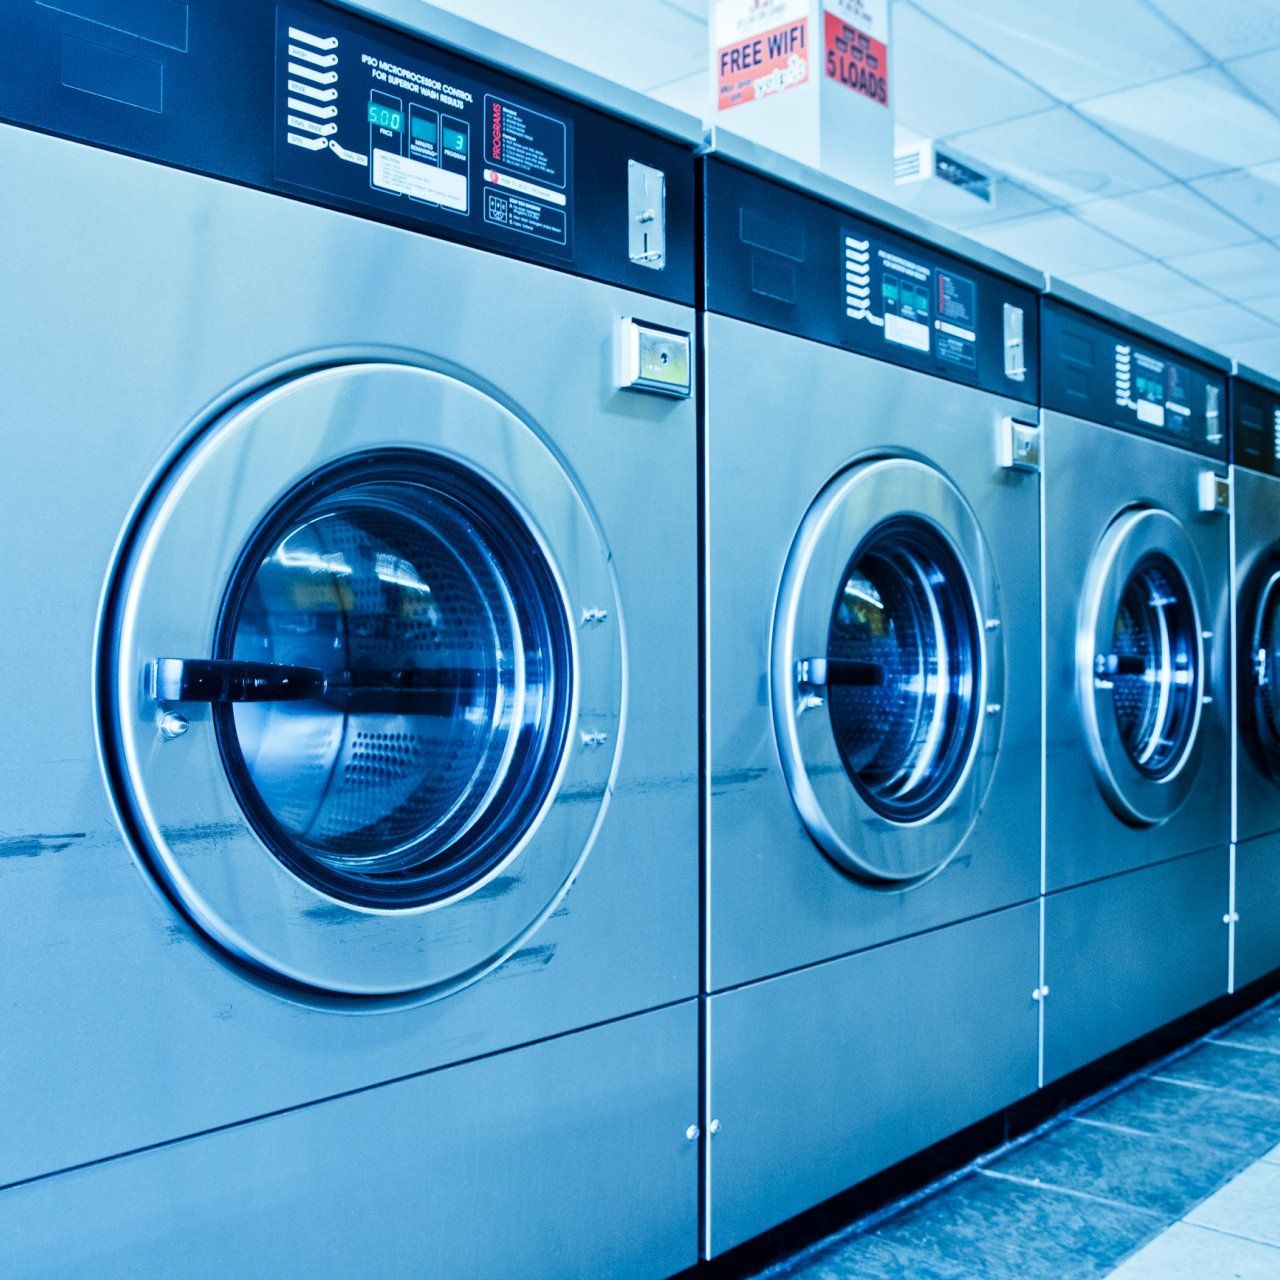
x=762 y=48
x=856 y=46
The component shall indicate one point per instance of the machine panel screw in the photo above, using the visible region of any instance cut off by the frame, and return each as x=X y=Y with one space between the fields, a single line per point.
x=692 y=1132
x=993 y=708
x=992 y=624
x=594 y=739
x=714 y=1127
x=594 y=617
x=172 y=725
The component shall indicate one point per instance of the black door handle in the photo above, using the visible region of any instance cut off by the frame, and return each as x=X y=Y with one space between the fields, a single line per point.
x=231 y=680
x=838 y=673
x=1120 y=664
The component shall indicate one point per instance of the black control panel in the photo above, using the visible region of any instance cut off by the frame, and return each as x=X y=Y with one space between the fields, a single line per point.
x=779 y=257
x=1097 y=370
x=310 y=100
x=1255 y=427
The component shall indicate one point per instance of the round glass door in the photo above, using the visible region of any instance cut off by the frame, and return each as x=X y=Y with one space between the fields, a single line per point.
x=882 y=673
x=343 y=688
x=1264 y=671
x=1144 y=663
x=428 y=719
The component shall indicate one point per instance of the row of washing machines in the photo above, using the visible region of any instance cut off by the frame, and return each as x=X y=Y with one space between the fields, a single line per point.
x=567 y=700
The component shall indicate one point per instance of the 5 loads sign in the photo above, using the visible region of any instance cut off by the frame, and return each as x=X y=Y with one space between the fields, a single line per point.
x=762 y=48
x=856 y=53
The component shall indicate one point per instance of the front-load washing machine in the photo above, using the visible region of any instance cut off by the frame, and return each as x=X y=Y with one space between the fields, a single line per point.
x=358 y=370
x=872 y=647
x=1137 y=699
x=1255 y=560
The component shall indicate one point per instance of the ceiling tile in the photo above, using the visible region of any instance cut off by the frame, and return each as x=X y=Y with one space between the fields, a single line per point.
x=1164 y=222
x=1240 y=272
x=1147 y=288
x=1227 y=28
x=694 y=8
x=1262 y=75
x=1190 y=124
x=1262 y=354
x=941 y=85
x=956 y=208
x=1056 y=242
x=1042 y=39
x=1062 y=156
x=691 y=94
x=1252 y=195
x=1219 y=325
x=1268 y=307
x=637 y=43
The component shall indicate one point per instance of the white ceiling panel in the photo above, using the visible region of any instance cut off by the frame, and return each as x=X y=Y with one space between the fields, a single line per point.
x=1252 y=195
x=1164 y=222
x=1227 y=28
x=1262 y=75
x=1241 y=272
x=1219 y=325
x=1268 y=307
x=1146 y=288
x=1056 y=242
x=637 y=43
x=1261 y=353
x=1047 y=41
x=1190 y=124
x=1061 y=156
x=691 y=94
x=942 y=85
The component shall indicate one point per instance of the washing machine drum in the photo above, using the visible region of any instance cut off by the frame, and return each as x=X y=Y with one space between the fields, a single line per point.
x=1142 y=664
x=344 y=681
x=882 y=670
x=1260 y=666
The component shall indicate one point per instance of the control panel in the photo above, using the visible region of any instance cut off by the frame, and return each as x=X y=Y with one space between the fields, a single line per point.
x=789 y=260
x=1096 y=370
x=1255 y=427
x=310 y=100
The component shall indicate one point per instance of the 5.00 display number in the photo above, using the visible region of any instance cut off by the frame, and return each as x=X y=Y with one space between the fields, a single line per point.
x=386 y=117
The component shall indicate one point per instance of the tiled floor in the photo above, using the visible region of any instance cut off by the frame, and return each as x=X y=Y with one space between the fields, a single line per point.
x=1173 y=1176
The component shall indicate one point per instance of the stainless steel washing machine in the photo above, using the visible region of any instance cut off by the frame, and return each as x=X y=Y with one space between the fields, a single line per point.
x=358 y=372
x=1255 y=561
x=872 y=580
x=1137 y=698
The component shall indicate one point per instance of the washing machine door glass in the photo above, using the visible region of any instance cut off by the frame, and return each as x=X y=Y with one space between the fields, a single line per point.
x=1142 y=676
x=362 y=681
x=882 y=670
x=430 y=657
x=1264 y=671
x=901 y=668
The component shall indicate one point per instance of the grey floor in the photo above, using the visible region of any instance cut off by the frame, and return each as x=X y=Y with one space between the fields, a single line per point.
x=1175 y=1175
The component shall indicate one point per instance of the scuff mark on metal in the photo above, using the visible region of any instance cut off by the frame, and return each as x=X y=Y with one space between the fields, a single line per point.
x=34 y=846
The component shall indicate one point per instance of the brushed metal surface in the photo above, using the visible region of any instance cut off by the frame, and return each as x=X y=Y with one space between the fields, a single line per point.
x=566 y=1160
x=1257 y=931
x=1128 y=954
x=1091 y=476
x=783 y=417
x=123 y=1025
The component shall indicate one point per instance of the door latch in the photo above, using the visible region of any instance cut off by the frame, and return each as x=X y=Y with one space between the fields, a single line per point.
x=1018 y=445
x=654 y=359
x=1213 y=492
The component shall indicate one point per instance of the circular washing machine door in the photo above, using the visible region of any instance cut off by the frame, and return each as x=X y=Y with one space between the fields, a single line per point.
x=885 y=660
x=1141 y=663
x=1260 y=663
x=344 y=684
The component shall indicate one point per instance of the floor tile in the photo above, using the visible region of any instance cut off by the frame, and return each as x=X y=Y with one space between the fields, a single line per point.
x=1225 y=1066
x=1249 y=1125
x=1249 y=1205
x=1000 y=1230
x=866 y=1257
x=1194 y=1253
x=1262 y=1032
x=1143 y=1170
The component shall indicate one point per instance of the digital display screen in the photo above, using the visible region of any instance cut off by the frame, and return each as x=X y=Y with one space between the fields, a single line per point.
x=455 y=140
x=386 y=117
x=423 y=129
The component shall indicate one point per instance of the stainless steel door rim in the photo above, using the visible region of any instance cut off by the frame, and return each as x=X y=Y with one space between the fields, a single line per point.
x=870 y=835
x=186 y=550
x=1144 y=781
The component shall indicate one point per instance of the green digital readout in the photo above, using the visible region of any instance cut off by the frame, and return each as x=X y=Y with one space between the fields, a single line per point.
x=455 y=140
x=386 y=117
x=422 y=129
